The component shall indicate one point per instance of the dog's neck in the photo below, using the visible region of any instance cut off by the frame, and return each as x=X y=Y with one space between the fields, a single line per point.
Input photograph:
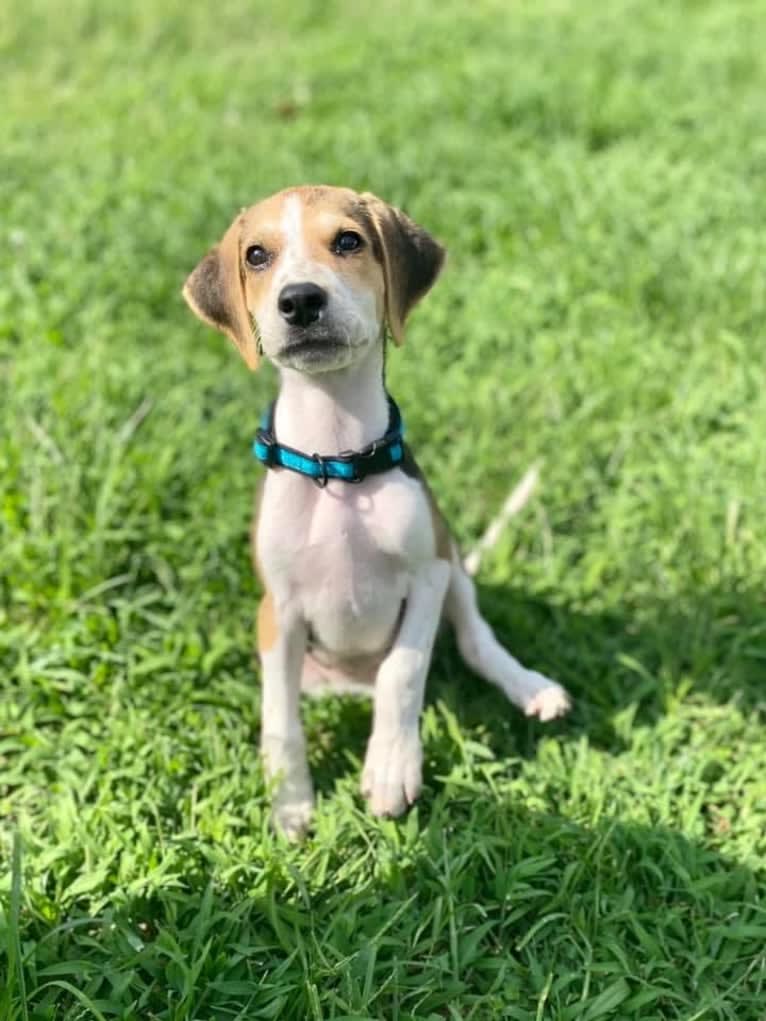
x=330 y=412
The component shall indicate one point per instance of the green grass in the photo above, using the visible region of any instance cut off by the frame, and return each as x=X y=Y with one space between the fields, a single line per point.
x=596 y=172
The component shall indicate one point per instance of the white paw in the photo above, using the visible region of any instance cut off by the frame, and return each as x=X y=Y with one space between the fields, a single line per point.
x=292 y=791
x=392 y=773
x=293 y=818
x=549 y=702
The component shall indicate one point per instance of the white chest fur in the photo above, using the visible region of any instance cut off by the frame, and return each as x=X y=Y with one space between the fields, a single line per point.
x=344 y=554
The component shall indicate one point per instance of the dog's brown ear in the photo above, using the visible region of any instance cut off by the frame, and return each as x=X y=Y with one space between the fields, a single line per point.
x=411 y=260
x=215 y=292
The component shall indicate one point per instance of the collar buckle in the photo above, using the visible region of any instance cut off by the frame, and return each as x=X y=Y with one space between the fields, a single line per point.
x=349 y=457
x=321 y=479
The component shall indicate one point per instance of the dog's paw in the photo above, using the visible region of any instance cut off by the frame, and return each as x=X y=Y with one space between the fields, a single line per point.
x=293 y=818
x=292 y=803
x=392 y=773
x=549 y=702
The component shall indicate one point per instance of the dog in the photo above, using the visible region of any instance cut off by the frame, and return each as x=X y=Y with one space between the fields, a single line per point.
x=356 y=562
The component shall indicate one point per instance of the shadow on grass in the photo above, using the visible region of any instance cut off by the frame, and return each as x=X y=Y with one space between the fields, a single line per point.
x=609 y=662
x=715 y=647
x=486 y=907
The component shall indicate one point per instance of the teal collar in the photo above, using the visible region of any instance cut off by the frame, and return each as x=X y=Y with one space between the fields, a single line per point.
x=349 y=466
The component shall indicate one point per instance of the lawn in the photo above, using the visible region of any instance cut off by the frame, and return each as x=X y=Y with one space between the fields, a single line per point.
x=597 y=173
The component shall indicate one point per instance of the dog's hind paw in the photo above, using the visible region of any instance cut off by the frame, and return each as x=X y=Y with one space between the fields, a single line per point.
x=548 y=703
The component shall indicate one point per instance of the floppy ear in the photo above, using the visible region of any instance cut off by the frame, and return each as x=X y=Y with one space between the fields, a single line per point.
x=411 y=261
x=215 y=292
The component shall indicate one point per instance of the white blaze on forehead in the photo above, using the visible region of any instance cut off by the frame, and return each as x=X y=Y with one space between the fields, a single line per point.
x=292 y=230
x=295 y=262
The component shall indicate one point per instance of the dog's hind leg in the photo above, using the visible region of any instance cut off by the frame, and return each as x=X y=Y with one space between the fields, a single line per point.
x=533 y=693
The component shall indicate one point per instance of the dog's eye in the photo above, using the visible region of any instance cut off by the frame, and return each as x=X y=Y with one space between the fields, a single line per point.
x=256 y=256
x=346 y=242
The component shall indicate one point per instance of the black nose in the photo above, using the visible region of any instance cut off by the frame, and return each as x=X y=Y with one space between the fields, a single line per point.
x=301 y=304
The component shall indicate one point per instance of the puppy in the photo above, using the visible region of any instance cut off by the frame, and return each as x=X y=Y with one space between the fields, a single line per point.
x=356 y=562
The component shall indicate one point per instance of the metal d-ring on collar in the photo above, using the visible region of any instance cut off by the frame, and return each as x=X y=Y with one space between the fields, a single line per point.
x=349 y=466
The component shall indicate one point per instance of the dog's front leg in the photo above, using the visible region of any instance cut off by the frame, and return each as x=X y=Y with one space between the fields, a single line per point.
x=392 y=768
x=282 y=645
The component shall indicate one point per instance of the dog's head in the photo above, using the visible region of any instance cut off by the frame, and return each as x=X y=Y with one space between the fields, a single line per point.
x=310 y=276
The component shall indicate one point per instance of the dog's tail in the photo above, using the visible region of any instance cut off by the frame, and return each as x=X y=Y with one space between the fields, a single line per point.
x=515 y=501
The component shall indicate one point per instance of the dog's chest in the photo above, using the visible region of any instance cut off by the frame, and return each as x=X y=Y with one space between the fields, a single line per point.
x=344 y=554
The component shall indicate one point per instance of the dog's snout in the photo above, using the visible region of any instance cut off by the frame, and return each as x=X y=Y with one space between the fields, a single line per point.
x=301 y=304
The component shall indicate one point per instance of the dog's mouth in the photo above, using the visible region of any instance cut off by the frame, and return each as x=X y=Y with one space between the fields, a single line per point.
x=313 y=348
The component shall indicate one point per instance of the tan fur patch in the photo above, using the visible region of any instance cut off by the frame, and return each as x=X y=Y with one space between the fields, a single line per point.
x=442 y=537
x=441 y=529
x=267 y=623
